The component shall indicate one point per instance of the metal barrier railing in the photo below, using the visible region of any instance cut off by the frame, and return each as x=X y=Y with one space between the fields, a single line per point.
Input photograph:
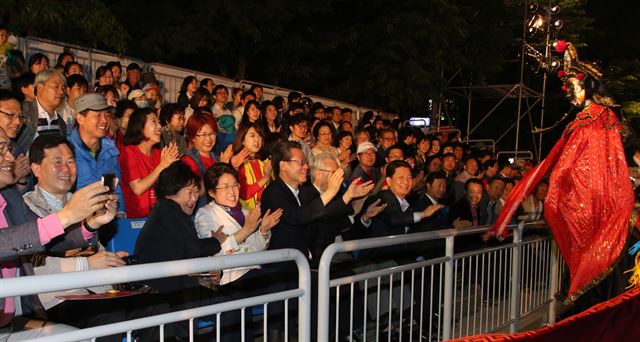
x=459 y=295
x=488 y=141
x=72 y=280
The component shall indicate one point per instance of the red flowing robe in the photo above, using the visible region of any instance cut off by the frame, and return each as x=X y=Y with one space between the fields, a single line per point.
x=590 y=198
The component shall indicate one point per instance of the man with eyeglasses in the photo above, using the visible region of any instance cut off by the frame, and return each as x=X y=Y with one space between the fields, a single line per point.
x=340 y=210
x=301 y=206
x=11 y=119
x=298 y=127
x=220 y=96
x=23 y=233
x=96 y=154
x=366 y=171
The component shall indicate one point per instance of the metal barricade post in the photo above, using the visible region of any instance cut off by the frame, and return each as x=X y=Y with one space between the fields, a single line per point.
x=515 y=278
x=448 y=290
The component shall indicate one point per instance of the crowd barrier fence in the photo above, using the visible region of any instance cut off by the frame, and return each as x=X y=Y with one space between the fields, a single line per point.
x=451 y=296
x=72 y=280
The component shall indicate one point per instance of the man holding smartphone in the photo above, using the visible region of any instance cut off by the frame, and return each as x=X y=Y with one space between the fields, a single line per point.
x=23 y=233
x=53 y=164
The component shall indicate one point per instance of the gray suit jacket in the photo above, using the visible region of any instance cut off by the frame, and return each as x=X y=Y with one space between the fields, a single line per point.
x=21 y=239
x=30 y=127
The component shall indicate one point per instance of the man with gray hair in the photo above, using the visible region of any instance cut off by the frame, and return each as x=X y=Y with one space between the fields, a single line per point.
x=44 y=118
x=340 y=211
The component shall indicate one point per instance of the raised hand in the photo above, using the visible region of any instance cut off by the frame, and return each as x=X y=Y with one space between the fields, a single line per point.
x=168 y=155
x=21 y=167
x=270 y=220
x=225 y=156
x=103 y=217
x=359 y=189
x=84 y=203
x=267 y=169
x=344 y=155
x=240 y=158
x=252 y=220
x=430 y=210
x=335 y=181
x=373 y=210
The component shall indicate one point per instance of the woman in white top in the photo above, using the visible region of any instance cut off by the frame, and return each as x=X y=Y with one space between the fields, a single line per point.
x=247 y=231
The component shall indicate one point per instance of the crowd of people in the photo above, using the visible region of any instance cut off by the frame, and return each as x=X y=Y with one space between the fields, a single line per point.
x=212 y=175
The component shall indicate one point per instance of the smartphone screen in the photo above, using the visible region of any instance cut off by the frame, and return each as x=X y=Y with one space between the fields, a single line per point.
x=109 y=179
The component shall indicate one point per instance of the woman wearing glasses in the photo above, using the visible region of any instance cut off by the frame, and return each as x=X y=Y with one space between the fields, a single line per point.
x=254 y=174
x=246 y=230
x=202 y=130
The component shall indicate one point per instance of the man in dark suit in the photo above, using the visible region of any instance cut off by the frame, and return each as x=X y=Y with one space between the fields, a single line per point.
x=399 y=216
x=435 y=190
x=469 y=211
x=300 y=205
x=340 y=212
x=436 y=187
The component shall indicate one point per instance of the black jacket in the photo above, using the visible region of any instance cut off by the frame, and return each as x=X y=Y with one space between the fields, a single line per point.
x=391 y=221
x=325 y=229
x=294 y=229
x=169 y=234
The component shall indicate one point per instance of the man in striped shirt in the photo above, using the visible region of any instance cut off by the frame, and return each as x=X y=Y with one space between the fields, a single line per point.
x=44 y=118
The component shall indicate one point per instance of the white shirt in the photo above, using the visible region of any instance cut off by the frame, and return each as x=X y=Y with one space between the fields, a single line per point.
x=295 y=192
x=212 y=216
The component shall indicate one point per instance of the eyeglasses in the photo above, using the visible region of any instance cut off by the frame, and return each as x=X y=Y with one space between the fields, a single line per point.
x=204 y=135
x=301 y=162
x=5 y=146
x=229 y=187
x=12 y=116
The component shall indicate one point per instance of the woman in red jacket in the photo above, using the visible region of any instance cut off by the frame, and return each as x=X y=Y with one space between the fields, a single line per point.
x=254 y=174
x=141 y=161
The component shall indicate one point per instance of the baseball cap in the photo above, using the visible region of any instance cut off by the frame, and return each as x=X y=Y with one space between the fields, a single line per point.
x=135 y=93
x=92 y=101
x=150 y=86
x=365 y=146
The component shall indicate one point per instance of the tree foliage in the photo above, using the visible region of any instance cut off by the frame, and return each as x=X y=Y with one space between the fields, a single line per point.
x=84 y=22
x=393 y=55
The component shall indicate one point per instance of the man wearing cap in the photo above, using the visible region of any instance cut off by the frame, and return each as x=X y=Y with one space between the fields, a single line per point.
x=366 y=159
x=139 y=98
x=133 y=76
x=96 y=154
x=152 y=93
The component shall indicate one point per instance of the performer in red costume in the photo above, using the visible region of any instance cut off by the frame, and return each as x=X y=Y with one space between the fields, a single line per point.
x=590 y=197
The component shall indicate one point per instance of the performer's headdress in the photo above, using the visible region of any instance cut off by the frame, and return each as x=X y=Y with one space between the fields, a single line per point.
x=572 y=66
